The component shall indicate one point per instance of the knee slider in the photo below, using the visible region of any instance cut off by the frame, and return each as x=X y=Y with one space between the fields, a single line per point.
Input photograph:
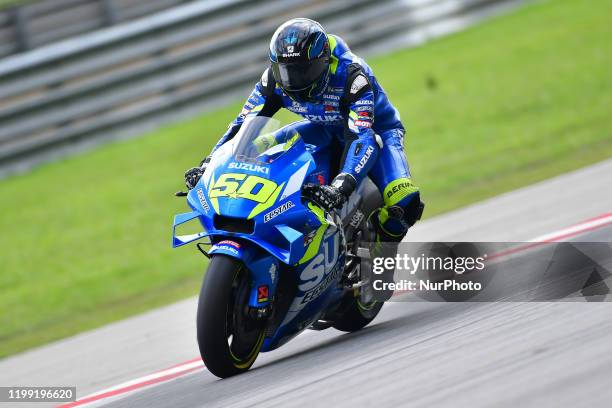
x=410 y=209
x=414 y=210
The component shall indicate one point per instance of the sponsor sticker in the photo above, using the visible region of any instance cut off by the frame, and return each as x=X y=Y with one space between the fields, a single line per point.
x=298 y=109
x=398 y=188
x=324 y=118
x=203 y=201
x=262 y=293
x=330 y=96
x=322 y=271
x=363 y=123
x=278 y=211
x=356 y=219
x=249 y=167
x=364 y=159
x=319 y=177
x=231 y=243
x=272 y=272
x=228 y=248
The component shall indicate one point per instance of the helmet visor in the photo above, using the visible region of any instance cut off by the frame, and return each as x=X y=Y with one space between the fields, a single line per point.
x=295 y=76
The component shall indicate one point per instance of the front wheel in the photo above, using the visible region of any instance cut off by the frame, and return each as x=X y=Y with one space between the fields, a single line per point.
x=228 y=338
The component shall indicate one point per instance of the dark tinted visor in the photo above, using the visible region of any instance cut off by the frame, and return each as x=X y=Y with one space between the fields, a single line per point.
x=295 y=76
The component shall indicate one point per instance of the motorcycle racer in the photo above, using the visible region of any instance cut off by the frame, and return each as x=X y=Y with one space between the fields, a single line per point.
x=346 y=113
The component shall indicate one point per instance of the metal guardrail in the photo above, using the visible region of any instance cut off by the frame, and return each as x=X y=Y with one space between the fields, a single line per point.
x=31 y=25
x=129 y=78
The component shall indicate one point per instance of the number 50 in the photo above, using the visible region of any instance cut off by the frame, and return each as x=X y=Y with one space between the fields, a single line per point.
x=240 y=185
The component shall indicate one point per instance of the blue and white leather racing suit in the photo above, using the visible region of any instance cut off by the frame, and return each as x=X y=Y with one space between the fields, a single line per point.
x=354 y=120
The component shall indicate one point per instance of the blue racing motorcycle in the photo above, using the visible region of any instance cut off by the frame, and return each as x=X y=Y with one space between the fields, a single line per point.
x=279 y=263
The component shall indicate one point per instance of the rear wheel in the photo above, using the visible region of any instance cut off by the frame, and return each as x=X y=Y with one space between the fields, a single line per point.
x=355 y=315
x=228 y=338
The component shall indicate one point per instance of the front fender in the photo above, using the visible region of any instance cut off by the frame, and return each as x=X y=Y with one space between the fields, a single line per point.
x=234 y=249
x=262 y=267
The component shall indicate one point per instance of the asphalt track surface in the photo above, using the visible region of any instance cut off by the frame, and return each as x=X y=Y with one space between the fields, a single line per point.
x=414 y=353
x=424 y=354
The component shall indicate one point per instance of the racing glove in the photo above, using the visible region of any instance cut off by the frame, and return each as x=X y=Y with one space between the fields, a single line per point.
x=192 y=176
x=333 y=196
x=264 y=142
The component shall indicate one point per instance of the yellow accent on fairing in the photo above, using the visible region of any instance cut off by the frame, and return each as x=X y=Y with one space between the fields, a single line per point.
x=266 y=204
x=268 y=188
x=291 y=141
x=315 y=244
x=213 y=200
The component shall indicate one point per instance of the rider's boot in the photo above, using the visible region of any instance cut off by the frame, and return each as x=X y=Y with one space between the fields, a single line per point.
x=384 y=244
x=388 y=227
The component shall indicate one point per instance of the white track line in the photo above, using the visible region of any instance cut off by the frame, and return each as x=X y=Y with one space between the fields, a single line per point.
x=574 y=230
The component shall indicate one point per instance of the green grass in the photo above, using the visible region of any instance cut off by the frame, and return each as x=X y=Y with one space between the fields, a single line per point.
x=521 y=98
x=4 y=4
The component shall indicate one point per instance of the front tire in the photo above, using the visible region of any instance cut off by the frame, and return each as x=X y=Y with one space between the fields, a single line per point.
x=228 y=338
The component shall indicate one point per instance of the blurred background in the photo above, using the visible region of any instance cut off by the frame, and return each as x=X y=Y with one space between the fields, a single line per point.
x=105 y=103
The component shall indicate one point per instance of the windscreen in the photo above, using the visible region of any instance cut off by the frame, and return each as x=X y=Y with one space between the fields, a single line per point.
x=261 y=139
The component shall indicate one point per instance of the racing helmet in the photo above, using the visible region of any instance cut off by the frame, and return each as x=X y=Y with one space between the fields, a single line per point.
x=300 y=59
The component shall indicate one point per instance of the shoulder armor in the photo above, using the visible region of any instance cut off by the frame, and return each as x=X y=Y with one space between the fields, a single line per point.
x=357 y=83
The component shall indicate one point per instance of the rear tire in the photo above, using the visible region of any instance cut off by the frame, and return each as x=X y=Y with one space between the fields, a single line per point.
x=229 y=340
x=355 y=316
x=352 y=315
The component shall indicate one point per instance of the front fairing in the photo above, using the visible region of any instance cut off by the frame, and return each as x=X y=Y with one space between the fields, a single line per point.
x=243 y=199
x=258 y=202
